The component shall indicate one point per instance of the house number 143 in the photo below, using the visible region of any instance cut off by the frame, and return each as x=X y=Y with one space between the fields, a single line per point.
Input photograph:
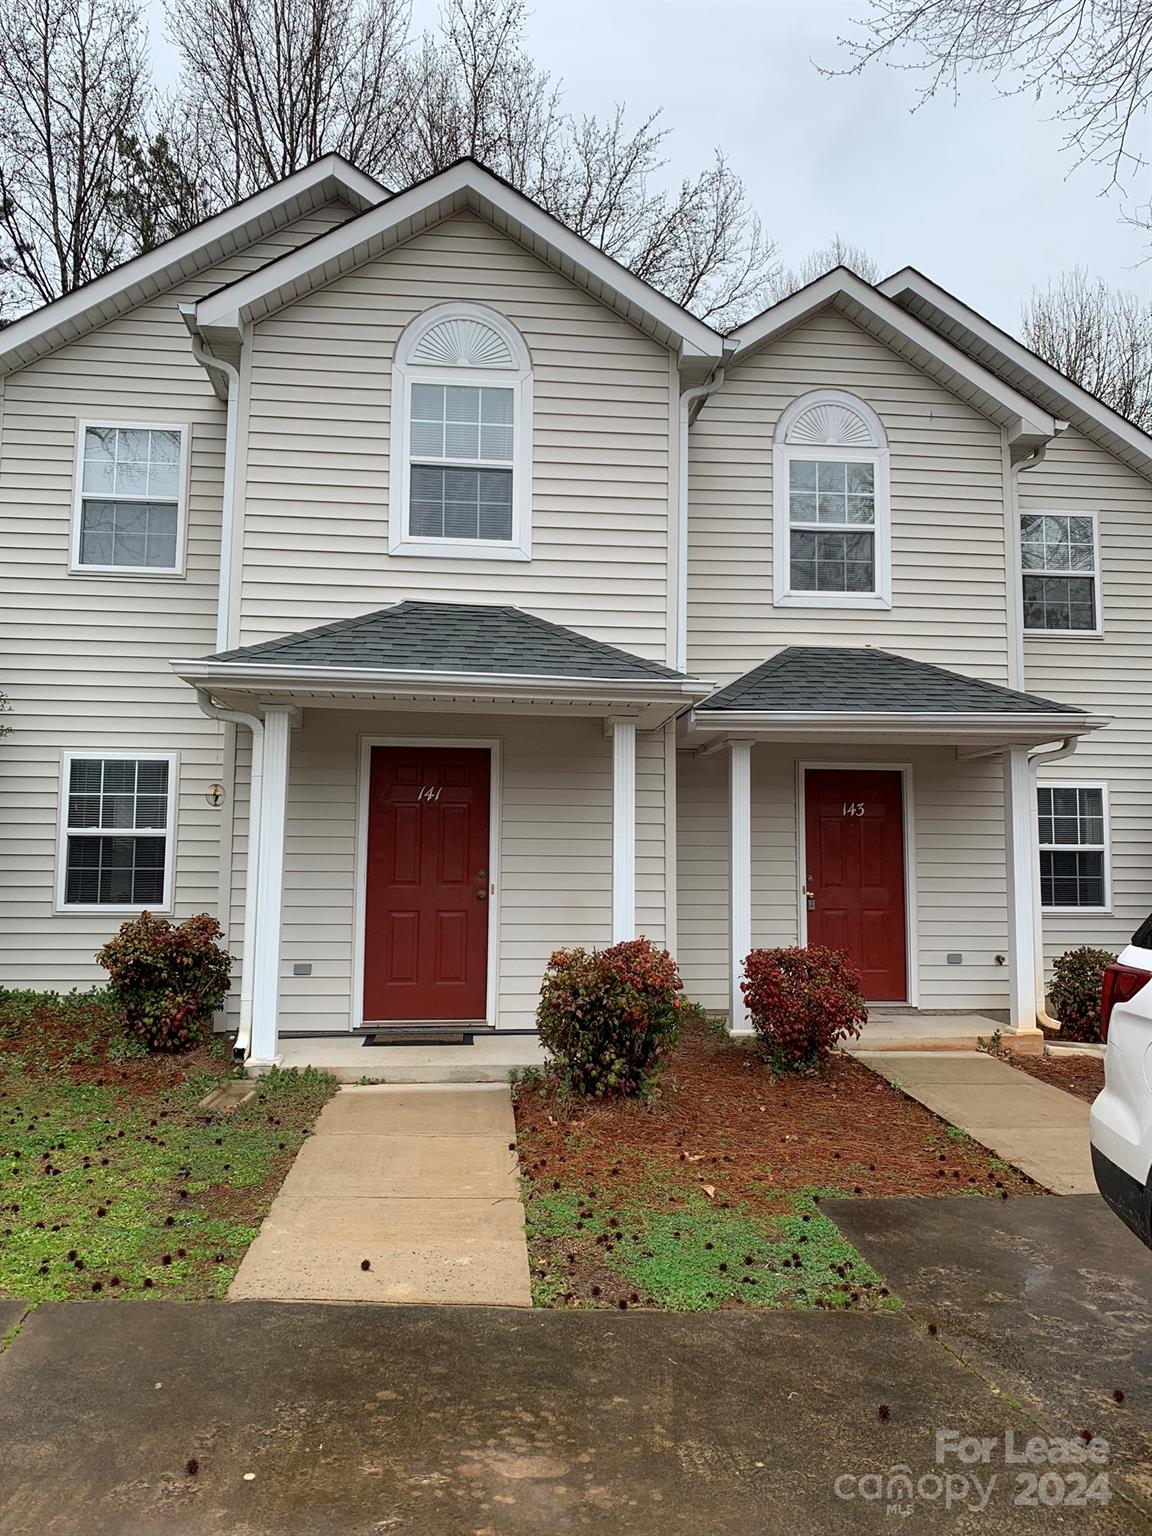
x=852 y=808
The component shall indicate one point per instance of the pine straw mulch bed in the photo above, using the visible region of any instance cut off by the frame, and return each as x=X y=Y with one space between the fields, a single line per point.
x=113 y=1182
x=1082 y=1076
x=710 y=1197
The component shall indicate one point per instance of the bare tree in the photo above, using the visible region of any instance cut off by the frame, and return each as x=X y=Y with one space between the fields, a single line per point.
x=839 y=252
x=1091 y=58
x=1099 y=337
x=72 y=84
x=271 y=84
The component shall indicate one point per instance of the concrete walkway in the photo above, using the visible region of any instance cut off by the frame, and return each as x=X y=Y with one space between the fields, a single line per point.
x=489 y=1059
x=419 y=1181
x=1040 y=1129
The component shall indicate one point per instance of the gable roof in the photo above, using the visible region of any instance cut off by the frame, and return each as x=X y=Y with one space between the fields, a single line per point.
x=1028 y=423
x=806 y=679
x=134 y=282
x=466 y=185
x=419 y=636
x=1012 y=361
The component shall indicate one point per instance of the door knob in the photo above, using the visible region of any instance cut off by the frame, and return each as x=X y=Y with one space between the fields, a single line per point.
x=481 y=895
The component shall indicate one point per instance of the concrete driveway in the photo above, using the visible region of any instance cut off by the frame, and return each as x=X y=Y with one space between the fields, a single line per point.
x=1050 y=1298
x=300 y=1419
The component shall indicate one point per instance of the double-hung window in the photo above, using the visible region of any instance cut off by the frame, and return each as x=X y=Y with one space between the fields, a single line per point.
x=831 y=527
x=130 y=495
x=116 y=832
x=1058 y=554
x=461 y=437
x=1073 y=846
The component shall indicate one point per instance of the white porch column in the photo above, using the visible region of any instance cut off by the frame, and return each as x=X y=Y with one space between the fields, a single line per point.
x=1023 y=857
x=265 y=944
x=623 y=829
x=739 y=878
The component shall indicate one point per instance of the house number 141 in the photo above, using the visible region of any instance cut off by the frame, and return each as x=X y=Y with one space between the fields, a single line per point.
x=852 y=808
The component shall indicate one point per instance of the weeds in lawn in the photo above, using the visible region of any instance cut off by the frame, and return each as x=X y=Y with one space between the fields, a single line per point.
x=105 y=1193
x=696 y=1257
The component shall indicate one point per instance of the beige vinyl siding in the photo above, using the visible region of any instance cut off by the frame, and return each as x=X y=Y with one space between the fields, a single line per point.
x=949 y=596
x=1110 y=674
x=555 y=849
x=316 y=519
x=958 y=828
x=86 y=656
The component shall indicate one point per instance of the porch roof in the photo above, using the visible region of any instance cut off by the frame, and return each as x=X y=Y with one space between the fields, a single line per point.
x=478 y=654
x=804 y=690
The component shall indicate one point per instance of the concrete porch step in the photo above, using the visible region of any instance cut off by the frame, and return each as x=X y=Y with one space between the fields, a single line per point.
x=489 y=1059
x=923 y=1032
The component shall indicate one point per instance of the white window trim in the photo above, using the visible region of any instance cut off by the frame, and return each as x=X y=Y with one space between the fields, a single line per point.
x=783 y=453
x=518 y=379
x=63 y=831
x=1099 y=784
x=1097 y=631
x=164 y=571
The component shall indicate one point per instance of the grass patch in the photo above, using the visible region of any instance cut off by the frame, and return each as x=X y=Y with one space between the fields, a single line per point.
x=113 y=1182
x=695 y=1258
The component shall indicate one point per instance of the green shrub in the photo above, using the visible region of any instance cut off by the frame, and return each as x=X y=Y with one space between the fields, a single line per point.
x=610 y=1016
x=1074 y=996
x=802 y=1001
x=167 y=978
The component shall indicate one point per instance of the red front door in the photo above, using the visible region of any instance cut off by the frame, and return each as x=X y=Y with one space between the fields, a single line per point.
x=426 y=902
x=854 y=821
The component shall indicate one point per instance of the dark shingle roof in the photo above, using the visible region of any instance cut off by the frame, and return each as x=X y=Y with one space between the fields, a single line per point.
x=830 y=679
x=454 y=637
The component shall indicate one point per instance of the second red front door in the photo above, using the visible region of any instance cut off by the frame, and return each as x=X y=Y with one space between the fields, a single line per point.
x=854 y=822
x=427 y=890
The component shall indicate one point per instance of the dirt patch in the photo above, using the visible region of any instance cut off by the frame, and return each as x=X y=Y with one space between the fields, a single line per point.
x=726 y=1158
x=1082 y=1076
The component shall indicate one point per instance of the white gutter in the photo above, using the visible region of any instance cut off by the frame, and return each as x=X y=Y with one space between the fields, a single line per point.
x=691 y=404
x=243 y=1045
x=239 y=674
x=1046 y=726
x=228 y=502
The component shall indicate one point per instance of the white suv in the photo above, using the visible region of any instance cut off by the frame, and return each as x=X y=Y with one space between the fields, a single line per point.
x=1121 y=1121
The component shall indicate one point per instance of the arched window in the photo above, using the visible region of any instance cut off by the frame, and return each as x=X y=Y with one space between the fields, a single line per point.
x=831 y=509
x=461 y=460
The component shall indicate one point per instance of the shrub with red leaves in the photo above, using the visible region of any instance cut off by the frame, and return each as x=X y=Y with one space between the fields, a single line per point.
x=610 y=1016
x=168 y=978
x=1074 y=996
x=802 y=1001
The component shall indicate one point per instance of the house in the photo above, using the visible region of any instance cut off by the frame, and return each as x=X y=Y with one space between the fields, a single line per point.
x=402 y=580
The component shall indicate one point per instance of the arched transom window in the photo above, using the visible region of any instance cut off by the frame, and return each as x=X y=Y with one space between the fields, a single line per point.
x=831 y=504
x=461 y=437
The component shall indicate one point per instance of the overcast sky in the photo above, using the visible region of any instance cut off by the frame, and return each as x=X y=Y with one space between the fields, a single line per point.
x=978 y=193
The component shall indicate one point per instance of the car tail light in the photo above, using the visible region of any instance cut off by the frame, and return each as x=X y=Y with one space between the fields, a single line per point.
x=1121 y=984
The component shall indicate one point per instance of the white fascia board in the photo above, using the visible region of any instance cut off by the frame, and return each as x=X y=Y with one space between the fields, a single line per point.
x=938 y=724
x=298 y=272
x=240 y=675
x=911 y=281
x=118 y=291
x=1029 y=420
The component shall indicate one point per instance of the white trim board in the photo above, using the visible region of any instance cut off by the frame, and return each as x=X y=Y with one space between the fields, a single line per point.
x=911 y=909
x=494 y=746
x=205 y=245
x=467 y=184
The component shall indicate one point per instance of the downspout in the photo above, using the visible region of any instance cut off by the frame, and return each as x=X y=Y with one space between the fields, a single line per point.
x=231 y=376
x=243 y=1045
x=691 y=404
x=1017 y=679
x=1046 y=755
